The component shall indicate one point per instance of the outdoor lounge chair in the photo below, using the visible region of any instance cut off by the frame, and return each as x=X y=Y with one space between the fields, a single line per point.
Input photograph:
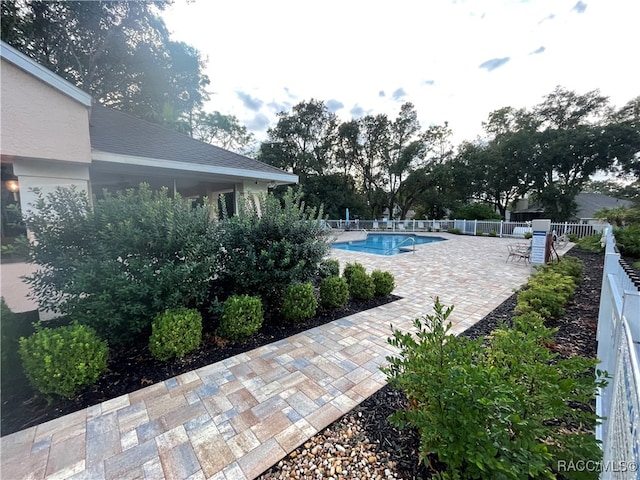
x=519 y=252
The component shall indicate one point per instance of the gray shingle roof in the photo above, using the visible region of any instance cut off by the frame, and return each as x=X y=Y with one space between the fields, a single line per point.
x=590 y=203
x=119 y=133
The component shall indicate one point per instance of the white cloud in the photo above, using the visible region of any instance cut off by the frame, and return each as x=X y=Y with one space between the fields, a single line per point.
x=281 y=52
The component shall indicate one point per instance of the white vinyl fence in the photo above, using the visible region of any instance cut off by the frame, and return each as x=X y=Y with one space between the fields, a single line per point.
x=619 y=351
x=467 y=227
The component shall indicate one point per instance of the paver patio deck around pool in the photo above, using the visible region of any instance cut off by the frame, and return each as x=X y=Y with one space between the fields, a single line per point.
x=236 y=418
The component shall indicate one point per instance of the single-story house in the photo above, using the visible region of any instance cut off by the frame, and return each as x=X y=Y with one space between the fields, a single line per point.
x=588 y=204
x=52 y=134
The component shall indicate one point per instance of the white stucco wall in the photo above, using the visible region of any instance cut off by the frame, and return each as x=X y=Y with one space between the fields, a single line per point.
x=39 y=121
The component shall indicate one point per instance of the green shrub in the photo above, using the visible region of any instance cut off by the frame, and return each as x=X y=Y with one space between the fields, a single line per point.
x=493 y=233
x=628 y=240
x=361 y=286
x=383 y=282
x=334 y=292
x=241 y=317
x=299 y=302
x=119 y=264
x=573 y=237
x=329 y=268
x=528 y=235
x=455 y=231
x=174 y=333
x=62 y=360
x=350 y=269
x=490 y=410
x=476 y=211
x=269 y=245
x=590 y=243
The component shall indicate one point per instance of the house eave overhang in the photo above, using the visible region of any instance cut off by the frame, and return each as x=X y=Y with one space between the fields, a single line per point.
x=115 y=158
x=25 y=63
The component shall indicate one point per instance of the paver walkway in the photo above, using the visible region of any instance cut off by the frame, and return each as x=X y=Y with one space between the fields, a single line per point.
x=236 y=418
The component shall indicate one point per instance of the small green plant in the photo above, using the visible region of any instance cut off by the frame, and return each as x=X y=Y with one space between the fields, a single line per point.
x=329 y=267
x=628 y=240
x=487 y=408
x=350 y=269
x=590 y=243
x=361 y=286
x=455 y=231
x=242 y=316
x=175 y=332
x=383 y=282
x=528 y=235
x=334 y=292
x=493 y=233
x=299 y=302
x=62 y=360
x=573 y=237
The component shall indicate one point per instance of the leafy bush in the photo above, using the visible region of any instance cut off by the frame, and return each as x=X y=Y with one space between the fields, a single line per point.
x=299 y=302
x=119 y=264
x=528 y=235
x=268 y=246
x=455 y=231
x=490 y=411
x=548 y=292
x=628 y=240
x=493 y=233
x=329 y=268
x=383 y=282
x=242 y=316
x=361 y=285
x=350 y=269
x=476 y=211
x=334 y=292
x=590 y=243
x=63 y=360
x=174 y=333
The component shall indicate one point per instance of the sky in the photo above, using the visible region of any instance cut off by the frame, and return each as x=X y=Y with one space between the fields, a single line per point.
x=455 y=60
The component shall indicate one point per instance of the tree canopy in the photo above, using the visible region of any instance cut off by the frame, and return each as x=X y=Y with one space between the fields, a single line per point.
x=548 y=152
x=119 y=52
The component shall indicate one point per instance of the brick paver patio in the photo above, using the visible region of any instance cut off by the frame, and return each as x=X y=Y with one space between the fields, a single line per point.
x=234 y=419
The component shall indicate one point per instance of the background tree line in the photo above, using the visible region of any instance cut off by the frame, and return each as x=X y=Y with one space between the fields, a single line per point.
x=121 y=53
x=377 y=163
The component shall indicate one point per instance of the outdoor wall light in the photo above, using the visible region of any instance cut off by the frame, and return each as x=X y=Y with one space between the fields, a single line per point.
x=13 y=185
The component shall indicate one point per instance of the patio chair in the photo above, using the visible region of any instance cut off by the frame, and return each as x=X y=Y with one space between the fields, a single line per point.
x=519 y=252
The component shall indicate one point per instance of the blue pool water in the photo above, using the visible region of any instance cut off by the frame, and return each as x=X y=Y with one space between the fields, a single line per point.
x=385 y=243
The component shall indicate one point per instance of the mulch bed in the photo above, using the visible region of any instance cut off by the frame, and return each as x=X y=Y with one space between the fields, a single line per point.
x=133 y=367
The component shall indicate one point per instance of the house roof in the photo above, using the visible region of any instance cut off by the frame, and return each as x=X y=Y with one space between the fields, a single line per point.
x=43 y=74
x=121 y=138
x=590 y=203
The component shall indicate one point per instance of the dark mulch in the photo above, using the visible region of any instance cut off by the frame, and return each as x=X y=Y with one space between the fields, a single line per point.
x=576 y=336
x=132 y=368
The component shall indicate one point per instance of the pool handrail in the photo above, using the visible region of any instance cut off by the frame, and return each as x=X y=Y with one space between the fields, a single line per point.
x=413 y=240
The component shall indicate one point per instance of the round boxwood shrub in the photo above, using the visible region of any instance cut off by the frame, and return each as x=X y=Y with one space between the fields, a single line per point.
x=361 y=285
x=350 y=269
x=62 y=360
x=175 y=332
x=242 y=316
x=334 y=292
x=383 y=282
x=329 y=268
x=299 y=302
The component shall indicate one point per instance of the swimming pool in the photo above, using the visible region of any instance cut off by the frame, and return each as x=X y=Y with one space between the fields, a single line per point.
x=385 y=243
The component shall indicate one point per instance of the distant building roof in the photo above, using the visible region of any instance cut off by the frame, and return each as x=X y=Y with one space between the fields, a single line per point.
x=121 y=138
x=590 y=203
